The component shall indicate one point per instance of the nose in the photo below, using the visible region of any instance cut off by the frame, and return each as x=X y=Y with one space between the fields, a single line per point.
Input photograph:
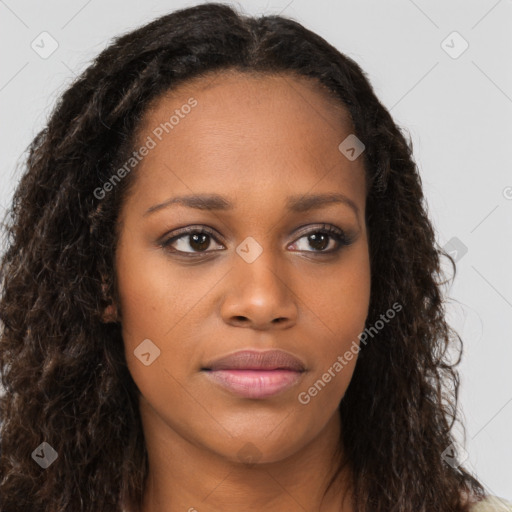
x=259 y=295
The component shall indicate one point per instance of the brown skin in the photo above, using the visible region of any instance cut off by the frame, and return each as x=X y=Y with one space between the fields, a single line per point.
x=255 y=140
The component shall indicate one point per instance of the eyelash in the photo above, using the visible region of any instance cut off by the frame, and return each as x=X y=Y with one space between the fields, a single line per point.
x=333 y=232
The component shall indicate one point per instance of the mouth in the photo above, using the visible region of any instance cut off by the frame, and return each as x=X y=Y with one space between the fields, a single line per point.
x=257 y=375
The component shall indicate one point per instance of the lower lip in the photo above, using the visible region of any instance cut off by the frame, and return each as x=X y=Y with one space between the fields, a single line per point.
x=255 y=383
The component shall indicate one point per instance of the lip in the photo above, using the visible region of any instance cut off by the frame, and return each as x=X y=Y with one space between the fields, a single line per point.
x=257 y=360
x=256 y=374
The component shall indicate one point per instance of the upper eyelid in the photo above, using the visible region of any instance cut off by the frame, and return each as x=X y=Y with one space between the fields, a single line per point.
x=301 y=231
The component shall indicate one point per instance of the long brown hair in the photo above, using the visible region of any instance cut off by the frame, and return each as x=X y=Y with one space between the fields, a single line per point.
x=64 y=371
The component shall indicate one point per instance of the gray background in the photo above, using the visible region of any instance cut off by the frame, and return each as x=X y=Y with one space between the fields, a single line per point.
x=456 y=108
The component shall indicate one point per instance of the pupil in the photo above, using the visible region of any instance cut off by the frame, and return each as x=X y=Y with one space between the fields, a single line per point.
x=201 y=244
x=315 y=238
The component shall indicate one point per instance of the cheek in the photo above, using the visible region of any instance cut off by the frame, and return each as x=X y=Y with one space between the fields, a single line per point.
x=155 y=295
x=335 y=354
x=151 y=303
x=143 y=293
x=338 y=306
x=159 y=303
x=340 y=296
x=347 y=309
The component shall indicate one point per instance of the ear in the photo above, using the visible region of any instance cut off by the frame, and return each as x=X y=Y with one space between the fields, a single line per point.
x=110 y=312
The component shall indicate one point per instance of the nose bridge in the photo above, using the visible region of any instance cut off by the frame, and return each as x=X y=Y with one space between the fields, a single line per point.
x=257 y=291
x=257 y=267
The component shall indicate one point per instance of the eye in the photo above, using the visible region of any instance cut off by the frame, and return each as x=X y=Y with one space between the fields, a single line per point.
x=322 y=238
x=199 y=240
x=193 y=241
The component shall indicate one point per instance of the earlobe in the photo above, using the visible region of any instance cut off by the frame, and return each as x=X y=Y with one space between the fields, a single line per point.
x=109 y=314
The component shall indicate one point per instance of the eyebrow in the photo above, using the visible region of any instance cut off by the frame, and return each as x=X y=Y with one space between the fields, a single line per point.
x=295 y=204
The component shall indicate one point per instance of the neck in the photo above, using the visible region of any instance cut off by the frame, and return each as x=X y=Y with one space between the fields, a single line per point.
x=184 y=476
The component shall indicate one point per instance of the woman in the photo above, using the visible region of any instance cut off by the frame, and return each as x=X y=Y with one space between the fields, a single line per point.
x=222 y=290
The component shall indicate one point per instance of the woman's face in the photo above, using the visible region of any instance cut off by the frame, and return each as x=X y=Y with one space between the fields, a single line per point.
x=260 y=275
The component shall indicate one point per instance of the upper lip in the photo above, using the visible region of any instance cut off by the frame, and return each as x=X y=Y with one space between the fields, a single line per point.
x=257 y=360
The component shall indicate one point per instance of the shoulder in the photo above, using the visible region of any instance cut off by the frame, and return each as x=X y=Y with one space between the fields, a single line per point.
x=492 y=504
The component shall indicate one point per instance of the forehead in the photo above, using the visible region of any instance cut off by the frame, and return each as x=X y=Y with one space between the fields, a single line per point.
x=245 y=128
x=250 y=87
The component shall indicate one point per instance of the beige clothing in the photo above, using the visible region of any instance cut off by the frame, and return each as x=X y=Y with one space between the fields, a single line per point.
x=492 y=504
